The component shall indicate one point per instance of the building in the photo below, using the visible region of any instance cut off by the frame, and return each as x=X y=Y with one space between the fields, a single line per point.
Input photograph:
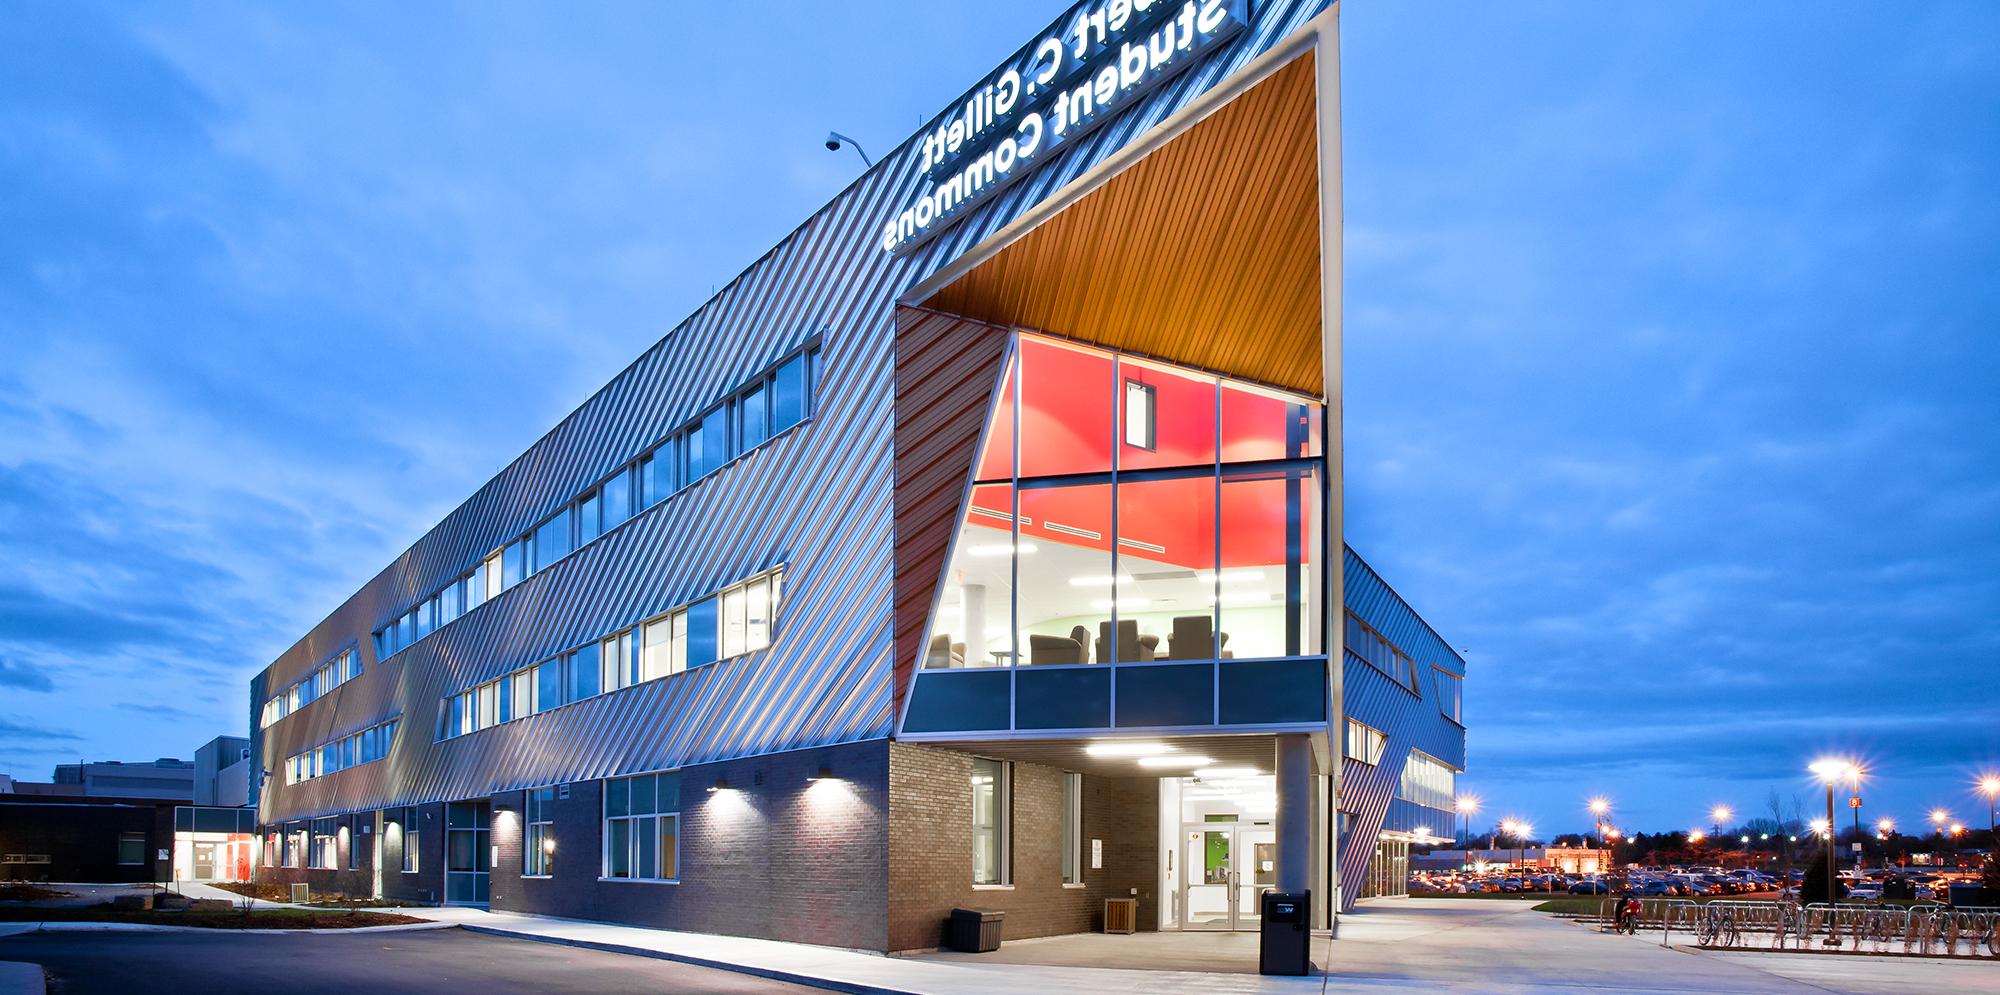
x=165 y=779
x=1567 y=859
x=222 y=772
x=84 y=838
x=979 y=544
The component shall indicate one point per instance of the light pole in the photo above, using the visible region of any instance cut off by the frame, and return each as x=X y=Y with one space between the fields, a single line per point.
x=1512 y=828
x=1938 y=818
x=1467 y=805
x=1990 y=786
x=1720 y=814
x=1832 y=772
x=1599 y=808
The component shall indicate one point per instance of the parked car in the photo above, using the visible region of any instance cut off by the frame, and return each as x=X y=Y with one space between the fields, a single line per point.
x=1590 y=886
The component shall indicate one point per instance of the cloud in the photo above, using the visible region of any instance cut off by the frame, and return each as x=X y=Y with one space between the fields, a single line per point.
x=13 y=732
x=14 y=675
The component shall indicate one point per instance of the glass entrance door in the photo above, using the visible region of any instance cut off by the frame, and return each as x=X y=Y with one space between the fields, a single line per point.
x=468 y=859
x=1227 y=866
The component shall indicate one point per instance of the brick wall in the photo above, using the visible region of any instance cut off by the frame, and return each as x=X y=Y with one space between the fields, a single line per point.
x=426 y=885
x=777 y=856
x=930 y=842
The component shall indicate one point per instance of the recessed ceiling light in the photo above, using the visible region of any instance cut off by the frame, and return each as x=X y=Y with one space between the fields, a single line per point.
x=1126 y=748
x=1175 y=761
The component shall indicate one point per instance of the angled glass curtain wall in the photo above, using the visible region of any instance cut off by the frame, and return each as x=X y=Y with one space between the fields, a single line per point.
x=1129 y=511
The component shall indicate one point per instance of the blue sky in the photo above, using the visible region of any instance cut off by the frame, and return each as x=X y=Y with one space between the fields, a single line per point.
x=1671 y=382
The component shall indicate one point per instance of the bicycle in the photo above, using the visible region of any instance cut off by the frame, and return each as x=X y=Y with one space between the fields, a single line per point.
x=1717 y=926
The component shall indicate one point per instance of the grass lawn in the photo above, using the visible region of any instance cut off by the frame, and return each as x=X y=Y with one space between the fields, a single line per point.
x=233 y=919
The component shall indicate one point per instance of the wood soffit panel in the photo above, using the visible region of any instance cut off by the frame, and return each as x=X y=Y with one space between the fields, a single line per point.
x=1205 y=252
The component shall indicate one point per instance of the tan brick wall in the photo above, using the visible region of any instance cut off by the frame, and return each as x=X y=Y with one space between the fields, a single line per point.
x=930 y=849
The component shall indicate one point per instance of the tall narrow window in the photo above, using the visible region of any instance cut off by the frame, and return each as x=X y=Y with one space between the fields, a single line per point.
x=617 y=499
x=1072 y=828
x=1140 y=428
x=132 y=848
x=411 y=837
x=753 y=418
x=538 y=846
x=657 y=656
x=990 y=791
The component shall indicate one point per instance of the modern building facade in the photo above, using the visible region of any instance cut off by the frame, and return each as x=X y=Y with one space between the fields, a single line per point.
x=222 y=772
x=978 y=545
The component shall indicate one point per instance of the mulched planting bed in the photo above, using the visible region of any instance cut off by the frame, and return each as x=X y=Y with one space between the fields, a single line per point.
x=260 y=919
x=13 y=891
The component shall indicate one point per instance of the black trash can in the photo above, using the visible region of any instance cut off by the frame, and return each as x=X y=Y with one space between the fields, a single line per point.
x=976 y=931
x=1285 y=934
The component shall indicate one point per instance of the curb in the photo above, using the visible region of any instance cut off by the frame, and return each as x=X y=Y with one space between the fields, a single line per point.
x=772 y=974
x=17 y=978
x=146 y=927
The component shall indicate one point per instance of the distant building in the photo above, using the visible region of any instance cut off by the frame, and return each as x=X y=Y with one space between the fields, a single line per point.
x=49 y=837
x=6 y=784
x=166 y=779
x=1567 y=859
x=222 y=772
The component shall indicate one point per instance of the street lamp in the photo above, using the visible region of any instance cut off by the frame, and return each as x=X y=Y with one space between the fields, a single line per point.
x=1990 y=786
x=1599 y=807
x=1832 y=771
x=1721 y=815
x=1467 y=805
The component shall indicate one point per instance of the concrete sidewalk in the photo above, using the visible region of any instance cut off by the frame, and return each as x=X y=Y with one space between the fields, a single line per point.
x=1428 y=945
x=853 y=971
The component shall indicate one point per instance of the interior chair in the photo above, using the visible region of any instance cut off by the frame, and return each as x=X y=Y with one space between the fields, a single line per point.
x=1053 y=649
x=1131 y=645
x=1194 y=638
x=1082 y=637
x=942 y=652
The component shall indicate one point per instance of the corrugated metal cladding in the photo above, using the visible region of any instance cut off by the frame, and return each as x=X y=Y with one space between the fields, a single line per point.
x=947 y=373
x=1411 y=720
x=818 y=500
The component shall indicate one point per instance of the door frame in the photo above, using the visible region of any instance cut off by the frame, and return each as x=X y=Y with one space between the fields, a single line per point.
x=1239 y=919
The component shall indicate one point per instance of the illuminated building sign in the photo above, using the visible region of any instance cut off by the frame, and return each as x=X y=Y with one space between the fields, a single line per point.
x=1066 y=85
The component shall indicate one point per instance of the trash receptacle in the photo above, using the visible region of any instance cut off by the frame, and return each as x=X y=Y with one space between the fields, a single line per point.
x=1285 y=933
x=976 y=931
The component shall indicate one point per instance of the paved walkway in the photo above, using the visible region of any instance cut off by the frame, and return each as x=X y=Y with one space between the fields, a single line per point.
x=1462 y=945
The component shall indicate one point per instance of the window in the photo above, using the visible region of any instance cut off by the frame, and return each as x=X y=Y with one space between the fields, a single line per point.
x=538 y=847
x=1072 y=828
x=1450 y=690
x=642 y=828
x=1174 y=509
x=405 y=824
x=753 y=419
x=1428 y=782
x=291 y=849
x=354 y=844
x=789 y=392
x=739 y=619
x=552 y=540
x=620 y=661
x=325 y=854
x=656 y=656
x=990 y=802
x=1377 y=651
x=1140 y=430
x=770 y=403
x=1365 y=743
x=342 y=668
x=131 y=848
x=368 y=745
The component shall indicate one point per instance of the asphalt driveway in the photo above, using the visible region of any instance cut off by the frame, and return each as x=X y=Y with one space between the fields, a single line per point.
x=435 y=960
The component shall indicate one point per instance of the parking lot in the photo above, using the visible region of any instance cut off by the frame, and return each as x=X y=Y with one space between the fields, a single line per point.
x=1679 y=881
